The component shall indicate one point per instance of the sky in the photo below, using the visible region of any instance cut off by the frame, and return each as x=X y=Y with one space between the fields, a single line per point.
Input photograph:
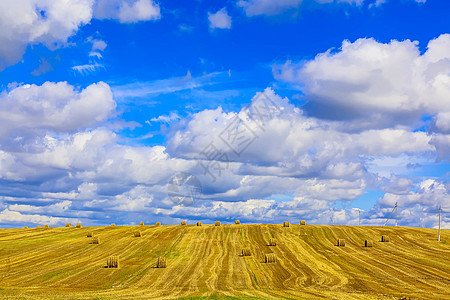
x=128 y=111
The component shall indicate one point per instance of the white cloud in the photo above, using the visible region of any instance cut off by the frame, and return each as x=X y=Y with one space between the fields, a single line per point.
x=88 y=68
x=271 y=8
x=13 y=217
x=419 y=206
x=127 y=11
x=29 y=109
x=98 y=45
x=299 y=166
x=220 y=20
x=38 y=21
x=52 y=23
x=173 y=116
x=442 y=122
x=95 y=58
x=165 y=86
x=267 y=7
x=378 y=84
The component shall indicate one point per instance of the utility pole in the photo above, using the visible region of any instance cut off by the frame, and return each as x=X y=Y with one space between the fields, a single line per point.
x=439 y=230
x=396 y=207
x=359 y=217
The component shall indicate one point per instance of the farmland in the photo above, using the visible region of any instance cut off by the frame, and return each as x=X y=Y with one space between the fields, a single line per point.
x=204 y=261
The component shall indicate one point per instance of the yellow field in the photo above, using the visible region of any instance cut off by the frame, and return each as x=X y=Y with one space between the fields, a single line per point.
x=206 y=261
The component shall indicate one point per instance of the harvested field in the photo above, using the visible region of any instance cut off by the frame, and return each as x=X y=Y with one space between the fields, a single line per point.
x=205 y=261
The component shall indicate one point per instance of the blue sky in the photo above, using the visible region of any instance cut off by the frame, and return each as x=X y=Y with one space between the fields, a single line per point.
x=104 y=103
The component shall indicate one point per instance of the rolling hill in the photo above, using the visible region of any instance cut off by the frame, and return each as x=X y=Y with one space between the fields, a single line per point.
x=206 y=261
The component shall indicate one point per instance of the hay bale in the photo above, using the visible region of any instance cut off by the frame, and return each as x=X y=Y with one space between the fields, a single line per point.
x=217 y=223
x=286 y=224
x=158 y=223
x=270 y=258
x=46 y=226
x=302 y=222
x=246 y=252
x=385 y=238
x=272 y=242
x=113 y=225
x=340 y=242
x=90 y=234
x=199 y=223
x=39 y=226
x=237 y=222
x=162 y=262
x=112 y=262
x=138 y=234
x=95 y=240
x=78 y=225
x=368 y=243
x=26 y=227
x=68 y=225
x=141 y=224
x=183 y=222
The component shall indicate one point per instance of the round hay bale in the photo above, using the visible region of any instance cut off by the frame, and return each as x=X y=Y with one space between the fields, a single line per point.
x=272 y=242
x=341 y=242
x=237 y=222
x=113 y=225
x=183 y=222
x=68 y=225
x=270 y=258
x=385 y=238
x=138 y=234
x=302 y=222
x=39 y=226
x=112 y=262
x=162 y=262
x=78 y=225
x=141 y=224
x=368 y=243
x=286 y=224
x=246 y=252
x=199 y=223
x=217 y=223
x=90 y=234
x=158 y=223
x=95 y=240
x=26 y=227
x=46 y=226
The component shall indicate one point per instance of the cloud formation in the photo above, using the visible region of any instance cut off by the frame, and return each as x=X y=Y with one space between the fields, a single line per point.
x=38 y=21
x=381 y=85
x=52 y=23
x=127 y=11
x=220 y=20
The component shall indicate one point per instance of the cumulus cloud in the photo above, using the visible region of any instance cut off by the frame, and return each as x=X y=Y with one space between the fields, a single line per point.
x=18 y=219
x=52 y=23
x=38 y=21
x=29 y=109
x=442 y=122
x=220 y=20
x=127 y=11
x=419 y=206
x=69 y=166
x=379 y=84
x=292 y=144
